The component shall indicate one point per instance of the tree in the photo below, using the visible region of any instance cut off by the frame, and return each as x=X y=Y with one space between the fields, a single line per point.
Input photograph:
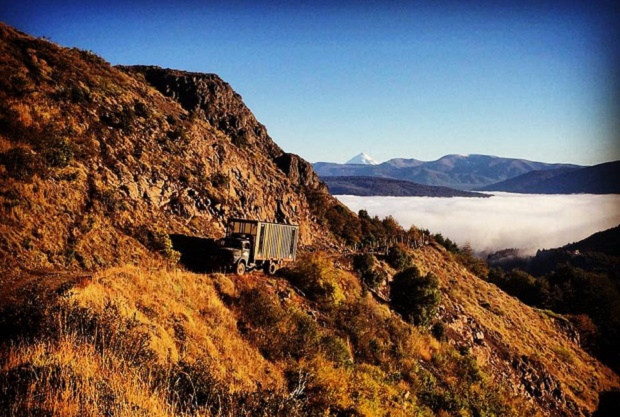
x=398 y=258
x=414 y=296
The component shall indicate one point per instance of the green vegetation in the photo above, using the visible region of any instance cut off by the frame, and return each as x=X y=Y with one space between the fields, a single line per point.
x=157 y=241
x=399 y=258
x=366 y=266
x=573 y=291
x=414 y=296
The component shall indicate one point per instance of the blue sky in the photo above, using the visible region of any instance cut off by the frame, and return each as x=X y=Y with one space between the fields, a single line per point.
x=533 y=80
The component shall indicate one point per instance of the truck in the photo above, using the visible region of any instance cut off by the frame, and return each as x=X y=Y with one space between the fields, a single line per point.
x=253 y=244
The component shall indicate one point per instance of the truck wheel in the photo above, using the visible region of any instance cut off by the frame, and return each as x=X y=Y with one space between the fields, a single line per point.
x=272 y=268
x=240 y=270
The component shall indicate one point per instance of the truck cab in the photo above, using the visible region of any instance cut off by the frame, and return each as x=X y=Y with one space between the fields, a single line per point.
x=236 y=251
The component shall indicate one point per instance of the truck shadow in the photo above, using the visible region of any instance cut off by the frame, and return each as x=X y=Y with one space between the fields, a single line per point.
x=196 y=253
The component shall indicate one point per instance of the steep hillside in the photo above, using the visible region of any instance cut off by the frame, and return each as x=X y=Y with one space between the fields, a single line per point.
x=100 y=165
x=580 y=280
x=536 y=351
x=597 y=179
x=374 y=186
x=463 y=172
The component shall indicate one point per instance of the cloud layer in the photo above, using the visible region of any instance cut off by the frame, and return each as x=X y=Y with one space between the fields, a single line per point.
x=524 y=221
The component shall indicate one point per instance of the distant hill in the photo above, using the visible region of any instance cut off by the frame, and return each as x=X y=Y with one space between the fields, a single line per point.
x=463 y=172
x=373 y=186
x=607 y=242
x=599 y=253
x=597 y=179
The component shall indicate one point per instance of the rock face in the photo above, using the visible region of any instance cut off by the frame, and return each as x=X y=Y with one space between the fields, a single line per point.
x=208 y=96
x=299 y=171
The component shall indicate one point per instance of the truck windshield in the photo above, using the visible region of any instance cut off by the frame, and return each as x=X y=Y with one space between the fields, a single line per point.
x=231 y=243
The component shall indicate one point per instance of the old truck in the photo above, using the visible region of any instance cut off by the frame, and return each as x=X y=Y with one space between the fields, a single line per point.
x=252 y=244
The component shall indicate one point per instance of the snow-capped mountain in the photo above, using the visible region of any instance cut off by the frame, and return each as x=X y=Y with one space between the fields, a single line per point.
x=362 y=159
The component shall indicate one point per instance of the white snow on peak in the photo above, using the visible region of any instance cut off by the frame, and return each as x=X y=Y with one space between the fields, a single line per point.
x=362 y=159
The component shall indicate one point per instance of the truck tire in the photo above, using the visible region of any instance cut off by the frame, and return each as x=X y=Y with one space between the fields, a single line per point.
x=272 y=268
x=240 y=269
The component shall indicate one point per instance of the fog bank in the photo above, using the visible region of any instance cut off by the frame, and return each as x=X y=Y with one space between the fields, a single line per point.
x=525 y=221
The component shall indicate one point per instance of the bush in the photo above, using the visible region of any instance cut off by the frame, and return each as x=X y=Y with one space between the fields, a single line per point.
x=57 y=152
x=220 y=180
x=316 y=276
x=364 y=262
x=398 y=258
x=157 y=241
x=365 y=266
x=414 y=296
x=446 y=243
x=374 y=278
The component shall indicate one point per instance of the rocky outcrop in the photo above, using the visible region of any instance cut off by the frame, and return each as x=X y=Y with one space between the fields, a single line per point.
x=299 y=171
x=210 y=97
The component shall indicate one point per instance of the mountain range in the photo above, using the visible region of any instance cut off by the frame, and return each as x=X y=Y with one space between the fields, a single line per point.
x=101 y=165
x=463 y=172
x=376 y=186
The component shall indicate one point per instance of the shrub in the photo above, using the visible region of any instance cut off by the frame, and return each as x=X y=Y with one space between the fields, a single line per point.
x=336 y=350
x=364 y=263
x=374 y=278
x=316 y=276
x=365 y=266
x=414 y=296
x=158 y=241
x=56 y=151
x=439 y=331
x=473 y=264
x=398 y=258
x=141 y=110
x=446 y=243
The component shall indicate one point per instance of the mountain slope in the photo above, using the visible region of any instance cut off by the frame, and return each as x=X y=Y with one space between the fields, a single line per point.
x=597 y=179
x=99 y=165
x=374 y=186
x=463 y=172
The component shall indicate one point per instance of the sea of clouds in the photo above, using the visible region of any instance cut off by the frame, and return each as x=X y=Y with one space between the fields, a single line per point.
x=523 y=221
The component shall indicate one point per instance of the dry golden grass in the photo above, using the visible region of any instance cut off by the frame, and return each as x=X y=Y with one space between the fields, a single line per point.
x=184 y=320
x=151 y=340
x=71 y=378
